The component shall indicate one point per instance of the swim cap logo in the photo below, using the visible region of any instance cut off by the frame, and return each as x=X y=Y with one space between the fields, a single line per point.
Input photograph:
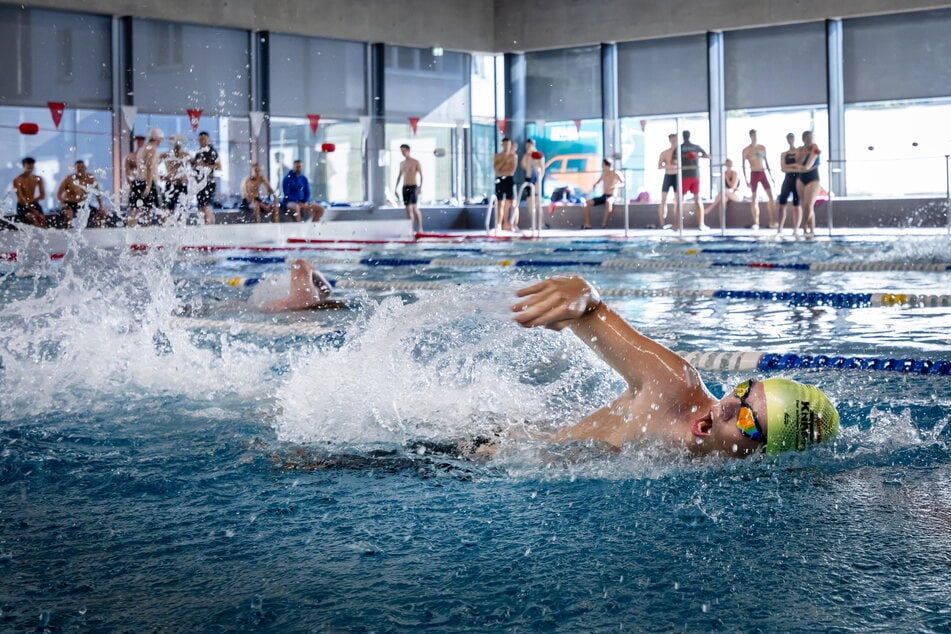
x=805 y=422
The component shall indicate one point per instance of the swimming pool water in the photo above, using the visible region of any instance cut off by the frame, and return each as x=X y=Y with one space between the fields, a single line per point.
x=155 y=478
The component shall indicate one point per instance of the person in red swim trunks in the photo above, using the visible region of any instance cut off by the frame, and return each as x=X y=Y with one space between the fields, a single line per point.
x=691 y=153
x=755 y=155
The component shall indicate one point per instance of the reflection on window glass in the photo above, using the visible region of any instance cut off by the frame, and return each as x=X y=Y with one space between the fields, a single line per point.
x=771 y=127
x=336 y=176
x=572 y=152
x=643 y=140
x=425 y=146
x=84 y=135
x=230 y=136
x=897 y=148
x=483 y=134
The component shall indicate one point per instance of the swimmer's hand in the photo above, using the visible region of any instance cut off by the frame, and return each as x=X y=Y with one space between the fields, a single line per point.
x=556 y=302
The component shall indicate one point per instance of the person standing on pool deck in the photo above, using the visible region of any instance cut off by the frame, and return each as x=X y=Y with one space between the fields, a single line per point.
x=668 y=162
x=610 y=181
x=666 y=398
x=144 y=193
x=176 y=175
x=789 y=162
x=808 y=160
x=296 y=189
x=73 y=194
x=205 y=163
x=26 y=186
x=504 y=164
x=408 y=172
x=755 y=155
x=690 y=154
x=533 y=164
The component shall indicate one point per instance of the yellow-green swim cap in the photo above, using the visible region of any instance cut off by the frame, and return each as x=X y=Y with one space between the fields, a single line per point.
x=797 y=415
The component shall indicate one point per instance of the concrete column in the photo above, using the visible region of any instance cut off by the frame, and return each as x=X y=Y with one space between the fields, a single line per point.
x=836 y=96
x=375 y=175
x=716 y=104
x=514 y=64
x=260 y=95
x=610 y=123
x=122 y=95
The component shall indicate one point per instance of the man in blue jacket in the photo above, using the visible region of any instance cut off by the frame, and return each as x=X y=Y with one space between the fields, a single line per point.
x=297 y=195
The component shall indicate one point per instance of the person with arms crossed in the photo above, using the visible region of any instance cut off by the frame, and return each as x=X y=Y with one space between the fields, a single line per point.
x=205 y=163
x=533 y=165
x=789 y=163
x=251 y=195
x=176 y=175
x=411 y=174
x=73 y=194
x=30 y=191
x=690 y=154
x=808 y=159
x=296 y=189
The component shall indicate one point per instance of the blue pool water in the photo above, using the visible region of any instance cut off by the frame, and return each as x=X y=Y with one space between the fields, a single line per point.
x=155 y=477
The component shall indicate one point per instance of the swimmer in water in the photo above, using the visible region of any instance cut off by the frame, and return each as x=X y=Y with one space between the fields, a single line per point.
x=309 y=290
x=665 y=398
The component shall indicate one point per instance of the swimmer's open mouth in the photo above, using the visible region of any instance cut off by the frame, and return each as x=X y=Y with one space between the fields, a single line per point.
x=701 y=427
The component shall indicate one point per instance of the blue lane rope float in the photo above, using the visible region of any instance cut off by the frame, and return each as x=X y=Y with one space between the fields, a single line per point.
x=792 y=298
x=816 y=267
x=733 y=361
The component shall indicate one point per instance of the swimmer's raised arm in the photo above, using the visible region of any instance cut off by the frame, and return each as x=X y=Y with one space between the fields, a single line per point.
x=645 y=364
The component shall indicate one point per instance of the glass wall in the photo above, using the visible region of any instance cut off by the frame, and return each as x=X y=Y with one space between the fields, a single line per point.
x=431 y=146
x=898 y=148
x=642 y=141
x=898 y=131
x=572 y=152
x=772 y=126
x=661 y=83
x=431 y=87
x=483 y=132
x=62 y=57
x=230 y=136
x=335 y=177
x=82 y=135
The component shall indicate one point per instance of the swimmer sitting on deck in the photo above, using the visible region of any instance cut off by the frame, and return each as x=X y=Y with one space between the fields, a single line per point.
x=309 y=290
x=665 y=397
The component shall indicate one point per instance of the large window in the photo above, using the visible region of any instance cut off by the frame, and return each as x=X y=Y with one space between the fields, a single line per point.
x=642 y=141
x=483 y=131
x=82 y=135
x=573 y=153
x=335 y=176
x=897 y=148
x=431 y=147
x=771 y=127
x=61 y=57
x=229 y=135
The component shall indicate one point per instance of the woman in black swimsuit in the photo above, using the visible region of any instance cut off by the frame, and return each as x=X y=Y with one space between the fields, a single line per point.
x=808 y=156
x=789 y=161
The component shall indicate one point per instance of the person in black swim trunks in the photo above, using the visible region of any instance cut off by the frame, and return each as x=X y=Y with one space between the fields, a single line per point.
x=409 y=170
x=789 y=162
x=30 y=190
x=808 y=159
x=668 y=163
x=504 y=164
x=610 y=180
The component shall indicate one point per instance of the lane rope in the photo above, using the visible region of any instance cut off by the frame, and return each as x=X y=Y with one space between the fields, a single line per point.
x=731 y=361
x=792 y=298
x=817 y=267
